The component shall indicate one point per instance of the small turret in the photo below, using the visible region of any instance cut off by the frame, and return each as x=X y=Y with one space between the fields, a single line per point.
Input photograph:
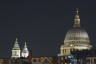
x=25 y=52
x=77 y=19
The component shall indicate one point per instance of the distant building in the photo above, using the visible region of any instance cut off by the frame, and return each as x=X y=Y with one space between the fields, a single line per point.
x=25 y=52
x=42 y=60
x=20 y=56
x=84 y=56
x=76 y=39
x=4 y=61
x=16 y=50
x=25 y=57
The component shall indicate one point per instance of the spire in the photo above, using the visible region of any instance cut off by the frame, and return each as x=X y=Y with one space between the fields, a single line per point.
x=25 y=51
x=25 y=46
x=77 y=11
x=16 y=45
x=77 y=19
x=16 y=50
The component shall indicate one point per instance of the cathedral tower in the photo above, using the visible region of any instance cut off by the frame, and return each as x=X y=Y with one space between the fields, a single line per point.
x=16 y=50
x=25 y=52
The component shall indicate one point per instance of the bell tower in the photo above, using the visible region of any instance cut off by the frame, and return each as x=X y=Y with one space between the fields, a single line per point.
x=25 y=52
x=16 y=50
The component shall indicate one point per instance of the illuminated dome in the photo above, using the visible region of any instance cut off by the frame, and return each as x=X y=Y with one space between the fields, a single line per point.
x=75 y=39
x=76 y=35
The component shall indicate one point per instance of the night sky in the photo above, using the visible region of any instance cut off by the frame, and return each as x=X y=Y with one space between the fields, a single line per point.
x=42 y=24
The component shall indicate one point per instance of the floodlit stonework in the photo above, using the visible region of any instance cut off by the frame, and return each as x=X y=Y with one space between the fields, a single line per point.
x=76 y=38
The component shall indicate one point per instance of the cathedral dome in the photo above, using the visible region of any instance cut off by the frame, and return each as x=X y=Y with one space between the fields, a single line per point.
x=76 y=35
x=75 y=39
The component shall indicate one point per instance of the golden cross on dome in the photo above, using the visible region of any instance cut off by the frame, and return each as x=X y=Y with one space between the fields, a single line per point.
x=77 y=11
